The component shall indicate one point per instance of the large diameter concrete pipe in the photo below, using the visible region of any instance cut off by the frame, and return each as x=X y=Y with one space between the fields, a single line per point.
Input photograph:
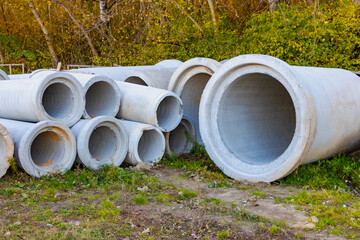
x=46 y=95
x=146 y=143
x=101 y=141
x=188 y=82
x=181 y=139
x=102 y=95
x=6 y=150
x=154 y=77
x=158 y=107
x=260 y=118
x=43 y=148
x=3 y=75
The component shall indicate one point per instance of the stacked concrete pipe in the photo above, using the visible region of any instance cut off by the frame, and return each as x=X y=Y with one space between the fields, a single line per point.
x=101 y=141
x=260 y=118
x=6 y=150
x=42 y=148
x=158 y=107
x=46 y=95
x=181 y=139
x=146 y=143
x=188 y=82
x=3 y=75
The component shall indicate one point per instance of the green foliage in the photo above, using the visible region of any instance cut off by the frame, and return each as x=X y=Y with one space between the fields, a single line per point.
x=141 y=200
x=274 y=229
x=223 y=235
x=326 y=35
x=340 y=172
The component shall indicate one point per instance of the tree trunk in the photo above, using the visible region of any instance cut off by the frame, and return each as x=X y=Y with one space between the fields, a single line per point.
x=273 y=4
x=2 y=58
x=54 y=58
x=211 y=5
x=87 y=37
x=104 y=18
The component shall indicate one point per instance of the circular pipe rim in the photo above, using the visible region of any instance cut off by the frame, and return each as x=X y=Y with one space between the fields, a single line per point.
x=304 y=129
x=188 y=145
x=3 y=75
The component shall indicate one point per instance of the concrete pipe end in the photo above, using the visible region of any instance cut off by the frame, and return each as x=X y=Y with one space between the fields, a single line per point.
x=256 y=119
x=6 y=150
x=180 y=140
x=147 y=144
x=136 y=77
x=3 y=75
x=46 y=148
x=59 y=97
x=102 y=141
x=169 y=111
x=102 y=97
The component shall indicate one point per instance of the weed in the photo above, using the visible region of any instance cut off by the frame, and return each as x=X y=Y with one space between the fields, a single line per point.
x=223 y=235
x=274 y=229
x=141 y=200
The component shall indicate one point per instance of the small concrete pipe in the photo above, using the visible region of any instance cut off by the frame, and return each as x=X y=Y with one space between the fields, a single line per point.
x=180 y=140
x=120 y=73
x=158 y=107
x=102 y=95
x=46 y=95
x=100 y=141
x=3 y=75
x=6 y=150
x=260 y=118
x=188 y=82
x=155 y=77
x=146 y=143
x=42 y=148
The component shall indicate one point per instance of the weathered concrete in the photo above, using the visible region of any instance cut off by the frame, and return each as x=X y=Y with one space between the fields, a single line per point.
x=180 y=140
x=101 y=141
x=158 y=107
x=6 y=150
x=46 y=95
x=188 y=82
x=146 y=143
x=43 y=148
x=260 y=118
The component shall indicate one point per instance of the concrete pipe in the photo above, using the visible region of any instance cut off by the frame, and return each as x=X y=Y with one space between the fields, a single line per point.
x=6 y=150
x=188 y=82
x=260 y=118
x=43 y=148
x=158 y=107
x=46 y=95
x=146 y=143
x=180 y=140
x=154 y=77
x=3 y=75
x=100 y=141
x=102 y=95
x=169 y=63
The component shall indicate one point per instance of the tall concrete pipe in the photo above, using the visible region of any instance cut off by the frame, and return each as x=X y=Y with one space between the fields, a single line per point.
x=42 y=148
x=46 y=95
x=146 y=143
x=3 y=75
x=260 y=118
x=188 y=82
x=6 y=150
x=158 y=107
x=180 y=140
x=100 y=141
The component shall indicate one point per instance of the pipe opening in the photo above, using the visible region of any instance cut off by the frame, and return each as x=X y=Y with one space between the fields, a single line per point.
x=58 y=100
x=178 y=140
x=47 y=149
x=256 y=118
x=100 y=99
x=149 y=147
x=191 y=95
x=168 y=113
x=135 y=80
x=103 y=143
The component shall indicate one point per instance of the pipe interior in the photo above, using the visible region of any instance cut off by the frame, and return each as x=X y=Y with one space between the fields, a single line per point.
x=150 y=146
x=100 y=99
x=178 y=140
x=191 y=95
x=256 y=118
x=103 y=143
x=58 y=100
x=47 y=149
x=168 y=113
x=136 y=80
